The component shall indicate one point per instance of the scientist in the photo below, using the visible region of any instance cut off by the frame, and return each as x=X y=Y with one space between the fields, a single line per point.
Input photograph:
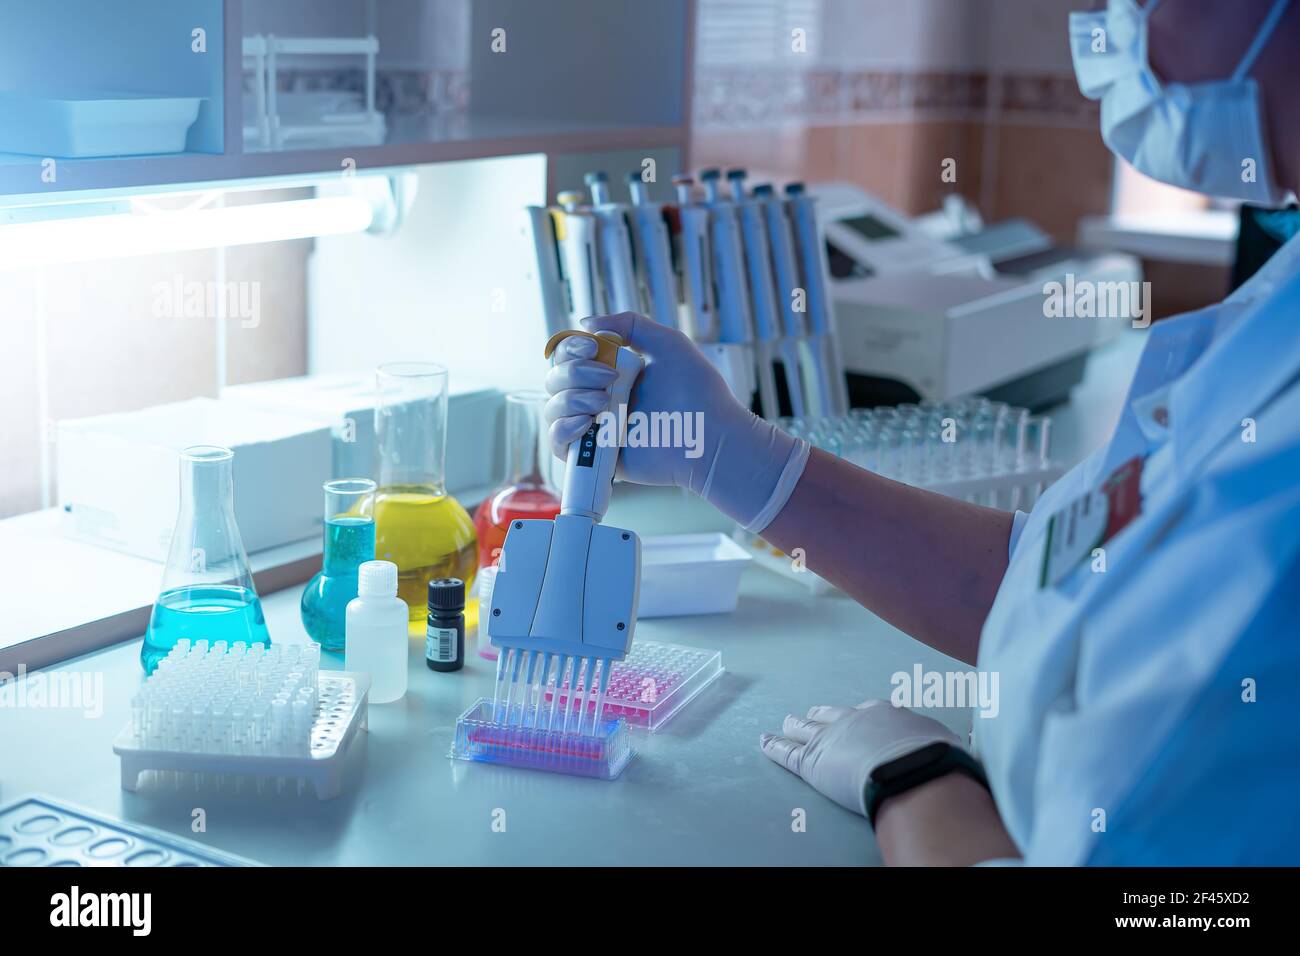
x=1150 y=711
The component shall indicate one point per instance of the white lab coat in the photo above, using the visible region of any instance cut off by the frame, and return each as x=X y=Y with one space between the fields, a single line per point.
x=1125 y=734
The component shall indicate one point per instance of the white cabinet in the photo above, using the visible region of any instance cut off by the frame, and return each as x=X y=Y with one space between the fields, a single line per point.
x=290 y=87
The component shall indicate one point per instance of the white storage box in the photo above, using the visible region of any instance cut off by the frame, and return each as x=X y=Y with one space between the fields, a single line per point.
x=346 y=403
x=119 y=475
x=690 y=574
x=76 y=125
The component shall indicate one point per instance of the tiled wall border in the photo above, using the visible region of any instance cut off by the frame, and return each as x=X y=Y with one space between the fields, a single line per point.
x=759 y=95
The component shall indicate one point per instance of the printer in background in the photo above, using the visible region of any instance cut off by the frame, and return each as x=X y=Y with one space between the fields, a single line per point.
x=943 y=306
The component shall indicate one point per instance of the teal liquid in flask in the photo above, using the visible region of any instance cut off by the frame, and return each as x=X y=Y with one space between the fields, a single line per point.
x=349 y=543
x=207 y=587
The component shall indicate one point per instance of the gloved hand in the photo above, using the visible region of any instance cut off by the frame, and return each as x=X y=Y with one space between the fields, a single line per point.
x=835 y=748
x=744 y=466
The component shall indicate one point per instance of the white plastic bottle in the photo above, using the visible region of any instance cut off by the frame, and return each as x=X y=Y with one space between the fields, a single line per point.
x=375 y=632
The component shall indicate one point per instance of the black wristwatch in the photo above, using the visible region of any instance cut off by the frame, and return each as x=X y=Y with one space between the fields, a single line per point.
x=920 y=766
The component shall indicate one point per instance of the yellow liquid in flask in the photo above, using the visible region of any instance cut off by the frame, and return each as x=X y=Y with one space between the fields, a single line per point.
x=427 y=536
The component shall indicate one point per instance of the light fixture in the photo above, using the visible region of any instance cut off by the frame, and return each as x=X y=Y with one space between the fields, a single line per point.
x=53 y=234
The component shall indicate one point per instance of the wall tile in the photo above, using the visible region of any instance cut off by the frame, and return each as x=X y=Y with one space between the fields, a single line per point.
x=1050 y=175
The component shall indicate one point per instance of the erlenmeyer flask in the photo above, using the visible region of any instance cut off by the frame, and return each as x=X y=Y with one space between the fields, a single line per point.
x=207 y=588
x=418 y=526
x=528 y=491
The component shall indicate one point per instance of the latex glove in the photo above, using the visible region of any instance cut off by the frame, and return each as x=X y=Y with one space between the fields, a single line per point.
x=835 y=749
x=744 y=466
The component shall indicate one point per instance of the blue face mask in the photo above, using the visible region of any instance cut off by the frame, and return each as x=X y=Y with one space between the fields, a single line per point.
x=1207 y=137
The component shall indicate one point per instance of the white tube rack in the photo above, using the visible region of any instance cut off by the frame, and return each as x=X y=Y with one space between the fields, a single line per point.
x=268 y=129
x=341 y=711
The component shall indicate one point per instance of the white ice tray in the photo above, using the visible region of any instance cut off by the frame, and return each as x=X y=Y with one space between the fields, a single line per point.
x=78 y=125
x=344 y=698
x=690 y=574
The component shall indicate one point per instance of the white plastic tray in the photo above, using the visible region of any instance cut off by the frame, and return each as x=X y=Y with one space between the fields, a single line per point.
x=78 y=125
x=344 y=697
x=40 y=831
x=690 y=574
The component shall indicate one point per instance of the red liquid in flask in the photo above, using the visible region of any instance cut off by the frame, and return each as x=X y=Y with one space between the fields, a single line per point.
x=492 y=520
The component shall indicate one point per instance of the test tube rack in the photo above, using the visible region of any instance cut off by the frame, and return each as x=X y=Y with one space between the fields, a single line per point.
x=998 y=456
x=244 y=712
x=38 y=831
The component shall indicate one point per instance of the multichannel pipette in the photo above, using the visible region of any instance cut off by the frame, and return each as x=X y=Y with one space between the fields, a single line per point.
x=565 y=597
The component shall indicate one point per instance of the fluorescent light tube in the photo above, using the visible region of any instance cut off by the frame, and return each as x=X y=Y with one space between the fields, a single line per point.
x=31 y=244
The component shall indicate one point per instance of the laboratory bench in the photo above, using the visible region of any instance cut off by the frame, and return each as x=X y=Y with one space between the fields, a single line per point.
x=699 y=790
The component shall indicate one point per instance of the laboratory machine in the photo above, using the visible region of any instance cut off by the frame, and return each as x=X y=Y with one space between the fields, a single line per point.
x=944 y=307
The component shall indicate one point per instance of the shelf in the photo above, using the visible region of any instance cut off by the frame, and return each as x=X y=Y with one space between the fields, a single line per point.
x=538 y=99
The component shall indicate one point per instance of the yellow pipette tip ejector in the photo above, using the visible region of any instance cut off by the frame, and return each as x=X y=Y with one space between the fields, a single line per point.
x=607 y=344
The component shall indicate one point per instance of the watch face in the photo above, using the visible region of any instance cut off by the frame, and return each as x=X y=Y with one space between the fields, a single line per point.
x=910 y=763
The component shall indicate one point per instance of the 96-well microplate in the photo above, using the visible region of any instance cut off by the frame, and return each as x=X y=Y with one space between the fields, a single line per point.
x=652 y=683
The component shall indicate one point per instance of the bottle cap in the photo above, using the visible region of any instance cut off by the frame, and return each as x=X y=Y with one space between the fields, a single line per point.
x=447 y=594
x=377 y=579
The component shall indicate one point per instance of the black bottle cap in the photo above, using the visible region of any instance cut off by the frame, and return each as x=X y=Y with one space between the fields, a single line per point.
x=707 y=175
x=447 y=594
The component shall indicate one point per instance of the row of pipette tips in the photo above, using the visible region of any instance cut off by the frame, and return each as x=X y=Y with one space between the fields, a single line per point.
x=533 y=708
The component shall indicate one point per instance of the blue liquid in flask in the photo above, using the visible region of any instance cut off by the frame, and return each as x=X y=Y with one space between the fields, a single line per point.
x=349 y=542
x=203 y=612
